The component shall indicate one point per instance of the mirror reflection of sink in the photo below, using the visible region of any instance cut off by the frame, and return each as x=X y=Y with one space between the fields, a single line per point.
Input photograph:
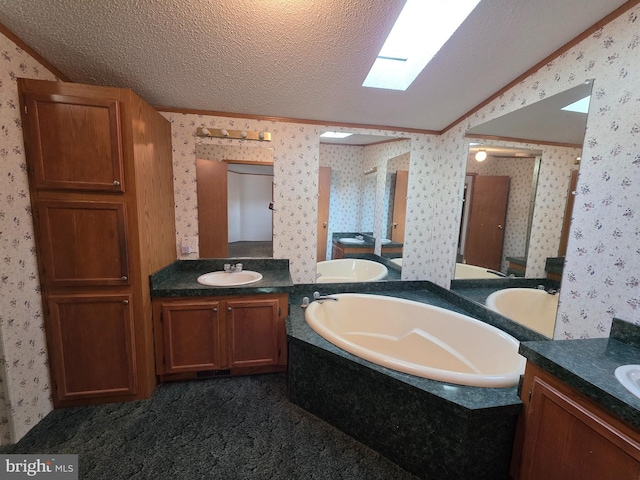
x=397 y=261
x=351 y=241
x=629 y=377
x=229 y=279
x=385 y=241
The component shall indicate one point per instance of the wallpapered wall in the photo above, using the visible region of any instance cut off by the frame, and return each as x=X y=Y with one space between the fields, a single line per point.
x=601 y=277
x=603 y=258
x=25 y=395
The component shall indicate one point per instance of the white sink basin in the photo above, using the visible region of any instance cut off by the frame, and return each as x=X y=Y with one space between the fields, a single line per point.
x=629 y=377
x=232 y=279
x=385 y=241
x=351 y=241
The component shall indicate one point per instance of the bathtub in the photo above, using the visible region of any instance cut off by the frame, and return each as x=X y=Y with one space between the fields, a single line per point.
x=465 y=272
x=533 y=308
x=418 y=339
x=350 y=270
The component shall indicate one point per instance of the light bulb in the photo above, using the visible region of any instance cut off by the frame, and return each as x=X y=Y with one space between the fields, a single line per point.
x=481 y=156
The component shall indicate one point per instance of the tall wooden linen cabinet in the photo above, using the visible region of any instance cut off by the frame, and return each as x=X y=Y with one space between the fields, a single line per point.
x=101 y=182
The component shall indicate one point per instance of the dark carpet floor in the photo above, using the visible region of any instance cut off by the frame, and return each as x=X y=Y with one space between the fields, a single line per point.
x=226 y=428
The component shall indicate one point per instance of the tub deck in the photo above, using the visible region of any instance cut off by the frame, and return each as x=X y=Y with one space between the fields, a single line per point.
x=431 y=428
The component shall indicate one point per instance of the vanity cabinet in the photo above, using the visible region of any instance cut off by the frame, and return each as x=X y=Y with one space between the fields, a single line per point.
x=562 y=434
x=226 y=335
x=339 y=251
x=99 y=163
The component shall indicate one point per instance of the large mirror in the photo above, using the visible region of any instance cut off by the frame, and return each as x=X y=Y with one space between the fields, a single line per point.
x=235 y=200
x=530 y=159
x=355 y=205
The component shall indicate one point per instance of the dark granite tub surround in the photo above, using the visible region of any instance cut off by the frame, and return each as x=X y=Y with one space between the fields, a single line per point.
x=180 y=278
x=588 y=366
x=554 y=265
x=433 y=429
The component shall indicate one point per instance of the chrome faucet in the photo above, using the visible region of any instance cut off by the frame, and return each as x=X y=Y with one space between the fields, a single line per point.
x=318 y=297
x=232 y=268
x=550 y=291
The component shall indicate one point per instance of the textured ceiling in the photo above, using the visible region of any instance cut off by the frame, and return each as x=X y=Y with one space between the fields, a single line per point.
x=302 y=59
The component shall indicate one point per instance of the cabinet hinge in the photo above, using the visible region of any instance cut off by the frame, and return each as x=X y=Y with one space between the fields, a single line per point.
x=26 y=110
x=279 y=311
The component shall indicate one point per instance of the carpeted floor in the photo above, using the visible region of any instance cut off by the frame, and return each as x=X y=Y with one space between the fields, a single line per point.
x=226 y=428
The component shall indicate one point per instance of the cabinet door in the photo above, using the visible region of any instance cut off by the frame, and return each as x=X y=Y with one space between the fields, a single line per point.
x=75 y=143
x=192 y=337
x=84 y=243
x=252 y=328
x=92 y=340
x=565 y=439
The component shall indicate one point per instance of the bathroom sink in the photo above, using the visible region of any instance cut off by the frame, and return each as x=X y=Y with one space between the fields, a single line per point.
x=229 y=279
x=629 y=377
x=385 y=241
x=352 y=241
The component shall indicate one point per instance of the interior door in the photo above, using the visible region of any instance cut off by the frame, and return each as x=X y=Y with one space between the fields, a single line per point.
x=324 y=195
x=400 y=206
x=488 y=212
x=212 y=208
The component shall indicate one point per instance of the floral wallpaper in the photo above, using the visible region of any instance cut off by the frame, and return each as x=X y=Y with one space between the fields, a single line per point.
x=25 y=395
x=600 y=279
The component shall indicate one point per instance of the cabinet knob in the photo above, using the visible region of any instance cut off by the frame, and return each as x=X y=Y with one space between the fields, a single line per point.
x=228 y=309
x=116 y=183
x=215 y=309
x=125 y=302
x=124 y=277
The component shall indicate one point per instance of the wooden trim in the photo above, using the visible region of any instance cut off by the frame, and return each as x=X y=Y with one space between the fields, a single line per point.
x=391 y=140
x=293 y=120
x=566 y=47
x=246 y=162
x=521 y=140
x=39 y=58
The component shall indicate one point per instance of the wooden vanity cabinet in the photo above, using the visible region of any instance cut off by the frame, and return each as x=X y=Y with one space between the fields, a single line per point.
x=99 y=163
x=227 y=335
x=562 y=434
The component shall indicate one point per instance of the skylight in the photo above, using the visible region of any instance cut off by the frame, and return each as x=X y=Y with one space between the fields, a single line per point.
x=422 y=28
x=336 y=135
x=581 y=106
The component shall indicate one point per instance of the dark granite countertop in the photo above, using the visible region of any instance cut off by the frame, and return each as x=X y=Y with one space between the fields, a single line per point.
x=588 y=366
x=179 y=279
x=369 y=241
x=554 y=265
x=517 y=260
x=462 y=397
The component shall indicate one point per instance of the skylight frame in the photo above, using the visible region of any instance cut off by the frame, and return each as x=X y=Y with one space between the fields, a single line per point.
x=419 y=33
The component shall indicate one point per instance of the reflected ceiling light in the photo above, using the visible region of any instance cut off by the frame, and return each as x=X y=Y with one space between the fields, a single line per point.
x=581 y=106
x=336 y=135
x=421 y=29
x=481 y=155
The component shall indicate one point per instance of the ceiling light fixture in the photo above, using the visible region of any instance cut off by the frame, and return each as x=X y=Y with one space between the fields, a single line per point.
x=421 y=29
x=336 y=135
x=481 y=156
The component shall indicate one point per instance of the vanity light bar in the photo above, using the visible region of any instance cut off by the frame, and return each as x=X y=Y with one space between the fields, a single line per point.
x=235 y=134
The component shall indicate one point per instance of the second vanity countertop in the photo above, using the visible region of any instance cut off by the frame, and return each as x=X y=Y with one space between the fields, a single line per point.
x=588 y=366
x=180 y=278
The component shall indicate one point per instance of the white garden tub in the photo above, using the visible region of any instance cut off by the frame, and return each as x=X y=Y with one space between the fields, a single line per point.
x=418 y=339
x=350 y=270
x=533 y=308
x=467 y=272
